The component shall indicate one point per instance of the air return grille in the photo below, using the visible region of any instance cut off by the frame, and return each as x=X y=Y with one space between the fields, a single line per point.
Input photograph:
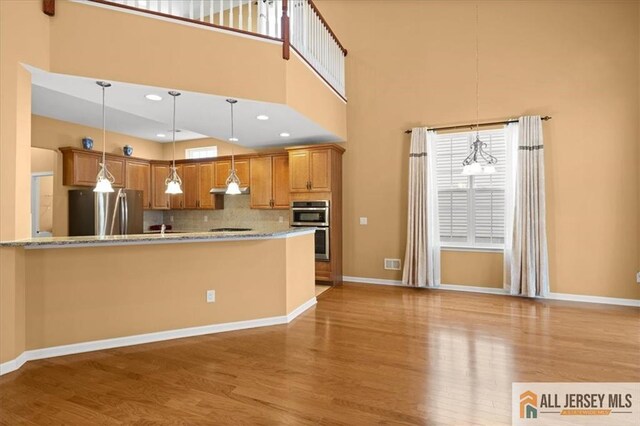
x=392 y=264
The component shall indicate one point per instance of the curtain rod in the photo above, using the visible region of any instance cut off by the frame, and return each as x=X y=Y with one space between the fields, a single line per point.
x=472 y=126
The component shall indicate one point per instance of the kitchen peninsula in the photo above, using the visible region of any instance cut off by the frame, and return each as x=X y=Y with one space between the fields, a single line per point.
x=88 y=293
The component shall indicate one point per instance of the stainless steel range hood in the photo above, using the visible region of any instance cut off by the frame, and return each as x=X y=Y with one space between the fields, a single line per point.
x=243 y=190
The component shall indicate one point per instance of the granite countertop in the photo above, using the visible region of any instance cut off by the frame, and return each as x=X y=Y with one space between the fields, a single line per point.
x=157 y=238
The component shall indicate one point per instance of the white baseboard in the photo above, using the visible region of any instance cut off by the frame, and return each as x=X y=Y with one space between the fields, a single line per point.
x=300 y=309
x=594 y=299
x=159 y=336
x=490 y=290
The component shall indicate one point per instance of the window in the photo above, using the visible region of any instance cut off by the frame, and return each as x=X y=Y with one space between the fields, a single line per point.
x=471 y=208
x=202 y=152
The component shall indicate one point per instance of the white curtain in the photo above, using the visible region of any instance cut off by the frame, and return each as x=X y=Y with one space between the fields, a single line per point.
x=511 y=162
x=529 y=270
x=422 y=256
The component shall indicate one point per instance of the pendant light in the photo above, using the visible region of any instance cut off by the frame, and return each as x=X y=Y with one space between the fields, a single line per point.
x=173 y=181
x=233 y=182
x=105 y=179
x=471 y=166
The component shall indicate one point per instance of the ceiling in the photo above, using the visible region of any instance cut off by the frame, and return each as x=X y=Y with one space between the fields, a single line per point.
x=79 y=100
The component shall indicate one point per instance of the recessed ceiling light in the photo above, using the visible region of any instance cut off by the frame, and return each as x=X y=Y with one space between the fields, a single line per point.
x=171 y=130
x=161 y=135
x=262 y=117
x=153 y=97
x=233 y=139
x=285 y=134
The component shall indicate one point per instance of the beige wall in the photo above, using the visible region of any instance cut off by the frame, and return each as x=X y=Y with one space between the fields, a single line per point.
x=24 y=38
x=414 y=64
x=310 y=96
x=188 y=58
x=67 y=301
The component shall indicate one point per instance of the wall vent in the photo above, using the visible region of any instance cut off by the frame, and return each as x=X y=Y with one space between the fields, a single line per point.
x=392 y=264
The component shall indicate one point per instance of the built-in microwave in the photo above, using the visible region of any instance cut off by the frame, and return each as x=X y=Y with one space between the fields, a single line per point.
x=314 y=213
x=310 y=213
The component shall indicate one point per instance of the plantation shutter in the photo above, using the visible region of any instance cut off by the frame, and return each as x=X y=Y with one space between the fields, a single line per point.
x=452 y=187
x=488 y=193
x=471 y=208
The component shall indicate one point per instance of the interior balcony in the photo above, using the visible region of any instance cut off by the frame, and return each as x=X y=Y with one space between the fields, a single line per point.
x=280 y=53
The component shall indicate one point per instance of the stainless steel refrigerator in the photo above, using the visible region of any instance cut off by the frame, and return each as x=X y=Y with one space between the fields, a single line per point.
x=114 y=213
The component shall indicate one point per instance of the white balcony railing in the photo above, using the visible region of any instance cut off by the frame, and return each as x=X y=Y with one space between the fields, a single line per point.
x=314 y=40
x=308 y=32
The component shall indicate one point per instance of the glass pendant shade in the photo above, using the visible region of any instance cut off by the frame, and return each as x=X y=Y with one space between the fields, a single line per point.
x=173 y=187
x=233 y=188
x=103 y=185
x=472 y=169
x=489 y=170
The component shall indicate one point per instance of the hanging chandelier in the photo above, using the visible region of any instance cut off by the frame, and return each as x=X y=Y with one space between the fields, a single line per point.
x=105 y=179
x=173 y=181
x=478 y=162
x=233 y=182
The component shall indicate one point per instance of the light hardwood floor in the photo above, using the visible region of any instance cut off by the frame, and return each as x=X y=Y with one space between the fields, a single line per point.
x=364 y=355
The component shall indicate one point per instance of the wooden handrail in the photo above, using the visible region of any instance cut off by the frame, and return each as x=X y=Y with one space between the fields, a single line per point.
x=49 y=7
x=326 y=25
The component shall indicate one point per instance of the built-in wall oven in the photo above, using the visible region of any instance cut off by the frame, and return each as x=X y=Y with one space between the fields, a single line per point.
x=314 y=213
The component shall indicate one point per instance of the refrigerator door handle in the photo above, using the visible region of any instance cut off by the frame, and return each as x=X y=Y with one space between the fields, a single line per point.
x=115 y=211
x=124 y=220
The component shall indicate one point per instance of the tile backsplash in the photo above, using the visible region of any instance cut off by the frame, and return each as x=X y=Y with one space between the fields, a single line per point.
x=236 y=213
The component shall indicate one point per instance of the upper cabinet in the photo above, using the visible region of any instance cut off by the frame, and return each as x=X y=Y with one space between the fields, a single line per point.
x=310 y=168
x=138 y=176
x=197 y=181
x=80 y=167
x=223 y=168
x=159 y=174
x=269 y=182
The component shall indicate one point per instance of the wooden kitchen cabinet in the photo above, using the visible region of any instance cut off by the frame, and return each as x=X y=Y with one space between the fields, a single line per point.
x=197 y=181
x=269 y=182
x=310 y=170
x=80 y=167
x=207 y=200
x=138 y=176
x=315 y=173
x=190 y=182
x=159 y=173
x=223 y=167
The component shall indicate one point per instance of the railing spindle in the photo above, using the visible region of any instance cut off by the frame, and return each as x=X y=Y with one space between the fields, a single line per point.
x=240 y=16
x=250 y=19
x=231 y=22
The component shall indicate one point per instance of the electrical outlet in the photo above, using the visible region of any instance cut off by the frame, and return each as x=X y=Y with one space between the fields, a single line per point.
x=392 y=264
x=211 y=296
x=363 y=221
x=171 y=218
x=280 y=219
x=206 y=218
x=638 y=277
